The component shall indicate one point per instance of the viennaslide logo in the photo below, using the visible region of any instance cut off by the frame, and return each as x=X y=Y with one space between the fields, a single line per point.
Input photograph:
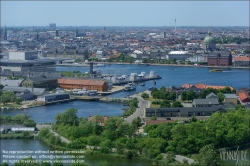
x=233 y=155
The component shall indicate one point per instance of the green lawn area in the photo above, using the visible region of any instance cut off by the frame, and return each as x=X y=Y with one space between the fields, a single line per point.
x=154 y=106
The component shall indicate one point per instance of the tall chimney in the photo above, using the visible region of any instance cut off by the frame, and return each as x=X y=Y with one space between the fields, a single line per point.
x=91 y=68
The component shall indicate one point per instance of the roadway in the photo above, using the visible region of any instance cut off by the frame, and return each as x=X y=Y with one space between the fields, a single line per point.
x=142 y=105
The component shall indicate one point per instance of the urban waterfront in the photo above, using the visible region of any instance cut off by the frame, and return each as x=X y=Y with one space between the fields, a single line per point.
x=171 y=76
x=175 y=75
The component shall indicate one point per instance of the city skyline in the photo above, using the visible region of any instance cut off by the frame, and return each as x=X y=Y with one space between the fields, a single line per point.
x=125 y=13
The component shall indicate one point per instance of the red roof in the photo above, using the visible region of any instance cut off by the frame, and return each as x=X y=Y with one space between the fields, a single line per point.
x=241 y=58
x=243 y=96
x=80 y=82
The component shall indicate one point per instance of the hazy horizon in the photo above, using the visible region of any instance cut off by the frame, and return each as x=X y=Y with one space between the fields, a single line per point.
x=125 y=13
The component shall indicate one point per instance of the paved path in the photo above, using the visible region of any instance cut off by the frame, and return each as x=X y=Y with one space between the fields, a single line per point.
x=142 y=105
x=63 y=139
x=180 y=158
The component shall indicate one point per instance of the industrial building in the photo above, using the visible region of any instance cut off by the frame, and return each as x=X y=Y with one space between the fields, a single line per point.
x=71 y=83
x=23 y=61
x=53 y=97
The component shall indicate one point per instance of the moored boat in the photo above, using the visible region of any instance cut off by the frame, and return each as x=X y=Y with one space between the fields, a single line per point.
x=216 y=70
x=129 y=87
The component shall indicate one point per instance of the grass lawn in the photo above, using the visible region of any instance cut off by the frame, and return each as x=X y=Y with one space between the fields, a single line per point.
x=154 y=106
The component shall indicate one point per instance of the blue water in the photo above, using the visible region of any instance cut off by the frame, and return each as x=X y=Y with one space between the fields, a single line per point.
x=46 y=114
x=174 y=75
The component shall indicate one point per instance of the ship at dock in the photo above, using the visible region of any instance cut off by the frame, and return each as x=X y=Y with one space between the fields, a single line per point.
x=133 y=77
x=129 y=87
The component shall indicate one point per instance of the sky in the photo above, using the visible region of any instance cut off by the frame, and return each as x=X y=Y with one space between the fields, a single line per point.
x=125 y=13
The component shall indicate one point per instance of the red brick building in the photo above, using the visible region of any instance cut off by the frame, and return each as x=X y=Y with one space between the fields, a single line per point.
x=244 y=95
x=219 y=59
x=71 y=83
x=242 y=60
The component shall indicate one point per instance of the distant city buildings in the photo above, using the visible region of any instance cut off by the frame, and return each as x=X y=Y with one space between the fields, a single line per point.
x=52 y=26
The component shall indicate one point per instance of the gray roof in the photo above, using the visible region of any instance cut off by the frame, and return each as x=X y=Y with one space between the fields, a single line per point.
x=36 y=91
x=206 y=101
x=231 y=96
x=16 y=83
x=186 y=110
x=15 y=89
x=41 y=78
x=56 y=94
x=210 y=95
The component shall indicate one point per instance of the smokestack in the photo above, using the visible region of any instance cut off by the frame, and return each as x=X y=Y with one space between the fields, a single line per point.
x=91 y=68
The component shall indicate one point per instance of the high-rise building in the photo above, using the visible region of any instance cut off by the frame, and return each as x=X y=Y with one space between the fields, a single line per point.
x=37 y=36
x=57 y=33
x=165 y=34
x=52 y=25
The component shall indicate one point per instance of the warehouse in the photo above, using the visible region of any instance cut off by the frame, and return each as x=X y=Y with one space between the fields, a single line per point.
x=70 y=83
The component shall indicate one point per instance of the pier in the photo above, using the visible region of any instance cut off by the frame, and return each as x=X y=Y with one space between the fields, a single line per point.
x=137 y=80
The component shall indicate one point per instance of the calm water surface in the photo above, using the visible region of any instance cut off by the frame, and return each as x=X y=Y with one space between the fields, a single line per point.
x=35 y=145
x=174 y=75
x=46 y=114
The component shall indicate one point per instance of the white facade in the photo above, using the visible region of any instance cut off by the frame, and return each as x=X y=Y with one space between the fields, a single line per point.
x=53 y=97
x=16 y=55
x=178 y=55
x=99 y=54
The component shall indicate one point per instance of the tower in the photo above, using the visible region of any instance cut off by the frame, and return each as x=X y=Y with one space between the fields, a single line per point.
x=37 y=36
x=77 y=35
x=57 y=33
x=175 y=24
x=5 y=33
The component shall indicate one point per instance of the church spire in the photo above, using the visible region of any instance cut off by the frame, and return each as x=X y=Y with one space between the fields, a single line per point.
x=5 y=33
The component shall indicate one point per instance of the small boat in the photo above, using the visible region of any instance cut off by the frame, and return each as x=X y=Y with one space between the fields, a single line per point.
x=142 y=84
x=216 y=70
x=150 y=88
x=129 y=87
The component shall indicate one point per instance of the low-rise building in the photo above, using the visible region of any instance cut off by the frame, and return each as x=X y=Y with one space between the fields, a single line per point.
x=211 y=96
x=222 y=58
x=178 y=55
x=230 y=98
x=22 y=129
x=21 y=92
x=241 y=61
x=182 y=111
x=205 y=102
x=70 y=83
x=53 y=97
x=40 y=82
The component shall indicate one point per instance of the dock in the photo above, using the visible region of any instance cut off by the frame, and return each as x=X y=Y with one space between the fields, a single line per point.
x=115 y=89
x=137 y=80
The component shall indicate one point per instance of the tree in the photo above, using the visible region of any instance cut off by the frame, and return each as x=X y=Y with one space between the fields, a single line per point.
x=18 y=100
x=183 y=95
x=207 y=156
x=165 y=103
x=145 y=96
x=153 y=118
x=8 y=97
x=221 y=96
x=1 y=86
x=177 y=104
x=68 y=117
x=191 y=95
x=94 y=140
